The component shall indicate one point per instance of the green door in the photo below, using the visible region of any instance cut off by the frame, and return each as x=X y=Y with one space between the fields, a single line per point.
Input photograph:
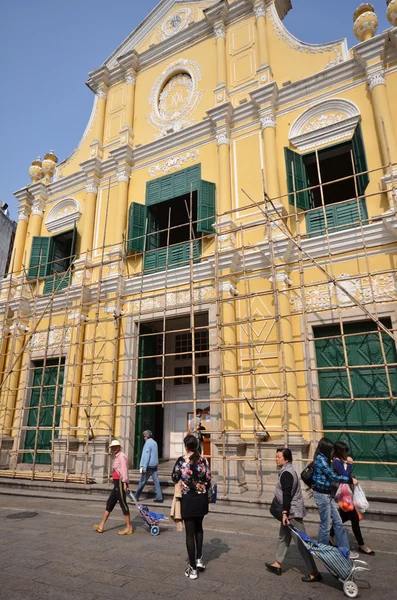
x=363 y=349
x=45 y=399
x=147 y=369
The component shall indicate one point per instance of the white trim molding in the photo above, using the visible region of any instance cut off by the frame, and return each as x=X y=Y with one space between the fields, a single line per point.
x=164 y=121
x=64 y=215
x=324 y=123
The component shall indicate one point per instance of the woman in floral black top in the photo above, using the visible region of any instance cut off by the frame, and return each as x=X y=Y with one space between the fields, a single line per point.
x=194 y=473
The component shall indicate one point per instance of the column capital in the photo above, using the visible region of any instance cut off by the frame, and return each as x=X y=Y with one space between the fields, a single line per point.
x=38 y=207
x=130 y=77
x=376 y=78
x=220 y=29
x=91 y=186
x=102 y=91
x=259 y=8
x=123 y=173
x=223 y=137
x=25 y=200
x=268 y=121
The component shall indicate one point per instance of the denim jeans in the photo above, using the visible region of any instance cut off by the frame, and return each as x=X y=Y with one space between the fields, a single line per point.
x=150 y=472
x=329 y=512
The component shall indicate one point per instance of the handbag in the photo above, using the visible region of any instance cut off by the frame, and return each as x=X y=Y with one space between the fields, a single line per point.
x=276 y=509
x=307 y=475
x=212 y=493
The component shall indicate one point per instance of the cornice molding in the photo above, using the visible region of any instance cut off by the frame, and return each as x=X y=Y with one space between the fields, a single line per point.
x=324 y=123
x=65 y=214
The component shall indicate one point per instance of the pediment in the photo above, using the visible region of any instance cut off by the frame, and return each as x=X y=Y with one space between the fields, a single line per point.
x=168 y=18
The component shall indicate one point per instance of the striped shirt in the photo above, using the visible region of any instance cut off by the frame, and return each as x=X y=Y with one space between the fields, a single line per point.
x=120 y=465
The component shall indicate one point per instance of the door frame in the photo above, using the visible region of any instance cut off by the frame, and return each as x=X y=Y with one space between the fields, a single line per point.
x=348 y=315
x=127 y=416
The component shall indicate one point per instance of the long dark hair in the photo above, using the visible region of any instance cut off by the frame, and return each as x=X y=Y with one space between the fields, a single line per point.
x=192 y=445
x=326 y=447
x=341 y=450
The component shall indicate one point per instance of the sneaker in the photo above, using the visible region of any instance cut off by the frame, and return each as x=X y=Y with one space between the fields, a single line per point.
x=200 y=564
x=353 y=555
x=190 y=572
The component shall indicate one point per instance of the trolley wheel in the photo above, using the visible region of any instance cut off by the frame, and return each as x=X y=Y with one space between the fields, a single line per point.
x=350 y=589
x=155 y=530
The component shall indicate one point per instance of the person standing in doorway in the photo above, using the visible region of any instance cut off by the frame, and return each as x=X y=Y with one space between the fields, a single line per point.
x=120 y=487
x=149 y=466
x=288 y=494
x=193 y=471
x=196 y=427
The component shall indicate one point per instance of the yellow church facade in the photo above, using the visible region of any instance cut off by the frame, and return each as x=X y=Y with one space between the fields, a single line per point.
x=223 y=237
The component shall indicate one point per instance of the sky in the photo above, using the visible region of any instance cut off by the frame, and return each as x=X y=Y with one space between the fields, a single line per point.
x=48 y=47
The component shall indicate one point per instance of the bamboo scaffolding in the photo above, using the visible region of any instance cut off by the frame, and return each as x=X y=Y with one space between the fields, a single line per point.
x=314 y=273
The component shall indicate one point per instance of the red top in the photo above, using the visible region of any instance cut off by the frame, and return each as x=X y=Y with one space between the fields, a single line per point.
x=115 y=475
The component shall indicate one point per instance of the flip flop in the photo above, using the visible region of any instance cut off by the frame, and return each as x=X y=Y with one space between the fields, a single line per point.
x=98 y=529
x=126 y=532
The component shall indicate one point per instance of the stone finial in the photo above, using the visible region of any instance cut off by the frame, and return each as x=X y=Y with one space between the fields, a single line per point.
x=36 y=171
x=365 y=22
x=49 y=165
x=391 y=12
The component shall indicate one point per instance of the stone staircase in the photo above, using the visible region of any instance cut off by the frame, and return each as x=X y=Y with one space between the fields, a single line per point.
x=381 y=495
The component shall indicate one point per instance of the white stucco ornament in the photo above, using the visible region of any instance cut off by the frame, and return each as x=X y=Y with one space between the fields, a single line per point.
x=174 y=23
x=64 y=215
x=174 y=97
x=324 y=123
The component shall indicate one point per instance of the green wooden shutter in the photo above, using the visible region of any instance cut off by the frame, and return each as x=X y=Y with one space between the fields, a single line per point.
x=360 y=160
x=206 y=207
x=315 y=220
x=296 y=167
x=174 y=185
x=40 y=257
x=343 y=216
x=136 y=227
x=153 y=192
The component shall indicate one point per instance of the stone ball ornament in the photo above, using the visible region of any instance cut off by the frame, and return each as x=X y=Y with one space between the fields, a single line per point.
x=36 y=172
x=49 y=165
x=391 y=12
x=365 y=22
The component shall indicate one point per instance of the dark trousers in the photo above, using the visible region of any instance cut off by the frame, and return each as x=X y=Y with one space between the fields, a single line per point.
x=194 y=539
x=352 y=516
x=118 y=495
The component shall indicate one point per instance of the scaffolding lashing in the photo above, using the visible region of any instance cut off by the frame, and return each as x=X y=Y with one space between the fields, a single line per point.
x=69 y=381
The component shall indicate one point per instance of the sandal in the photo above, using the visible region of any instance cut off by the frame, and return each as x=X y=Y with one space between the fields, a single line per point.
x=98 y=529
x=126 y=532
x=370 y=553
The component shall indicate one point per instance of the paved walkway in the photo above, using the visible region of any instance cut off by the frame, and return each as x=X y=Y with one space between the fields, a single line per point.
x=56 y=555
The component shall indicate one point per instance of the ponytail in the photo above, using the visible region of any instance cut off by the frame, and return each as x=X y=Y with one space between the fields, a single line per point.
x=191 y=444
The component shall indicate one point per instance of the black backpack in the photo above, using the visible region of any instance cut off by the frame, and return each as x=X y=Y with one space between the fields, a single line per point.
x=307 y=475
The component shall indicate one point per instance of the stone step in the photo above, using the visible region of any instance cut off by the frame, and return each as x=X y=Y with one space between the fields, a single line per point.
x=381 y=513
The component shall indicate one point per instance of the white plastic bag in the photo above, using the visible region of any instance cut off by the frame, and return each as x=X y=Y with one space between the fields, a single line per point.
x=359 y=499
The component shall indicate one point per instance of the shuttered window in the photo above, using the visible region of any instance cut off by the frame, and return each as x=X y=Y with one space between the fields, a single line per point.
x=172 y=256
x=136 y=227
x=339 y=217
x=40 y=256
x=360 y=160
x=296 y=179
x=172 y=186
x=50 y=258
x=206 y=207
